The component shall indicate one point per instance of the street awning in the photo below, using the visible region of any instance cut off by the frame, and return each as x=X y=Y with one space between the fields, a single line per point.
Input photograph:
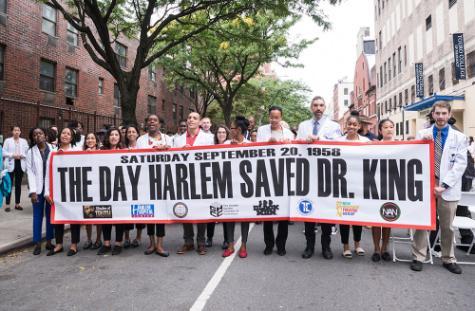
x=429 y=101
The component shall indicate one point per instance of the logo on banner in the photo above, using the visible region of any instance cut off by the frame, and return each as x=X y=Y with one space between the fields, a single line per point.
x=459 y=57
x=97 y=211
x=419 y=67
x=216 y=210
x=390 y=211
x=266 y=207
x=305 y=207
x=180 y=210
x=346 y=209
x=142 y=210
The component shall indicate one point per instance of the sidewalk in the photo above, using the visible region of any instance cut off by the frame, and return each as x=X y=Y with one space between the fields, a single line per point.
x=16 y=227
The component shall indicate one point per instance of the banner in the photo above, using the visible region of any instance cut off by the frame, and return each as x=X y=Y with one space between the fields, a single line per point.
x=377 y=184
x=419 y=80
x=459 y=57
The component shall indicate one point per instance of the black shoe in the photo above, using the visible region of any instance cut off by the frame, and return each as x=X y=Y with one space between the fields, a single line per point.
x=209 y=243
x=71 y=252
x=307 y=253
x=135 y=243
x=437 y=248
x=386 y=256
x=53 y=252
x=49 y=246
x=453 y=267
x=103 y=250
x=116 y=250
x=376 y=257
x=127 y=244
x=87 y=245
x=37 y=249
x=162 y=254
x=149 y=251
x=7 y=209
x=225 y=245
x=327 y=253
x=416 y=266
x=268 y=251
x=281 y=252
x=96 y=245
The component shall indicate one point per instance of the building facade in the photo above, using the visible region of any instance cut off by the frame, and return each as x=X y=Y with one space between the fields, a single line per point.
x=341 y=97
x=416 y=31
x=47 y=77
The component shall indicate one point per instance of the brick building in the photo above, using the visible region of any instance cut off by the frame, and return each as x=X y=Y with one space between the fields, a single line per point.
x=47 y=77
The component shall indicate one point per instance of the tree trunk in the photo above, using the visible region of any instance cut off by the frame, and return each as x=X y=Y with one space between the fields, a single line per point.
x=227 y=107
x=128 y=100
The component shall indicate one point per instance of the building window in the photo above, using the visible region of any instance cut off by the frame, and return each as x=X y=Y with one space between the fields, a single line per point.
x=454 y=79
x=400 y=99
x=3 y=6
x=406 y=97
x=345 y=102
x=413 y=93
x=116 y=96
x=72 y=35
x=389 y=69
x=381 y=76
x=174 y=112
x=399 y=58
x=152 y=74
x=47 y=75
x=181 y=113
x=70 y=83
x=152 y=105
x=390 y=105
x=397 y=129
x=428 y=22
x=45 y=122
x=430 y=82
x=385 y=74
x=121 y=52
x=405 y=56
x=101 y=86
x=407 y=126
x=442 y=79
x=394 y=64
x=2 y=63
x=471 y=64
x=401 y=127
x=49 y=20
x=451 y=3
x=163 y=105
x=345 y=91
x=385 y=106
x=395 y=103
x=380 y=41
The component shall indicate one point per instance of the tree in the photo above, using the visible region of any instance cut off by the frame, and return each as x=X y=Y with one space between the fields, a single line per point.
x=157 y=25
x=223 y=58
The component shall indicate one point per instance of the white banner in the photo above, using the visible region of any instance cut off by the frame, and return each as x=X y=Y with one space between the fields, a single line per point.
x=376 y=184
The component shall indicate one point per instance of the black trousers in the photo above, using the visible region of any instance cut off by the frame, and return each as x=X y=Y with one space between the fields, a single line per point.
x=310 y=234
x=282 y=233
x=345 y=233
x=466 y=235
x=132 y=226
x=107 y=232
x=156 y=229
x=16 y=176
x=59 y=233
x=189 y=234
x=210 y=231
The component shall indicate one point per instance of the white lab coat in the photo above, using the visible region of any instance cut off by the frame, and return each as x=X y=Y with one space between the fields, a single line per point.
x=453 y=162
x=143 y=141
x=202 y=139
x=329 y=130
x=34 y=169
x=9 y=151
x=264 y=133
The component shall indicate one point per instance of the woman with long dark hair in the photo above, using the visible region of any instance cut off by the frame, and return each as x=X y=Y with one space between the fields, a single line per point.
x=386 y=133
x=238 y=133
x=36 y=168
x=112 y=141
x=130 y=141
x=65 y=144
x=91 y=143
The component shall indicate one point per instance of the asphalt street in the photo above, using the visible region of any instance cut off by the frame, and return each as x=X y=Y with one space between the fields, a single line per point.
x=133 y=281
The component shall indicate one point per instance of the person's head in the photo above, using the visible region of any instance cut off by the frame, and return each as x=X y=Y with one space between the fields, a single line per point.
x=91 y=141
x=152 y=122
x=77 y=126
x=193 y=120
x=275 y=116
x=252 y=123
x=352 y=125
x=441 y=113
x=16 y=131
x=51 y=135
x=239 y=127
x=37 y=136
x=254 y=136
x=365 y=124
x=470 y=139
x=66 y=137
x=112 y=139
x=123 y=131
x=386 y=129
x=318 y=107
x=206 y=124
x=181 y=127
x=131 y=135
x=221 y=135
x=54 y=128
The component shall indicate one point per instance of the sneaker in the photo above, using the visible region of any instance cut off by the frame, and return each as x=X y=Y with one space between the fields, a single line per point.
x=116 y=250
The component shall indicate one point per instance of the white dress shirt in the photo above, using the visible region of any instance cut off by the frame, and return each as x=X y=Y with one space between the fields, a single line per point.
x=327 y=129
x=265 y=133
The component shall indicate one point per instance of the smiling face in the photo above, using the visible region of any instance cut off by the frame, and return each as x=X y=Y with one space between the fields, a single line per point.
x=206 y=124
x=193 y=121
x=352 y=126
x=275 y=118
x=132 y=134
x=387 y=130
x=16 y=132
x=153 y=124
x=318 y=108
x=114 y=138
x=91 y=141
x=221 y=135
x=66 y=137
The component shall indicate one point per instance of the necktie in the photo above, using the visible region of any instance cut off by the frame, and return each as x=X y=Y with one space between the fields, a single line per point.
x=438 y=152
x=315 y=128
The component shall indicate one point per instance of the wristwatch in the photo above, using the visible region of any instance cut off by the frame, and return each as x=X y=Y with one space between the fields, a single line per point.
x=445 y=186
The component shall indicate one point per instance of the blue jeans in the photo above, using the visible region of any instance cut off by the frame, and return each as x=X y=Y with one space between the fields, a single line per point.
x=39 y=209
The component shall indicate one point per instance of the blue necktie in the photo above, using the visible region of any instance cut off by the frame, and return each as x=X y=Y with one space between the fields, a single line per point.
x=316 y=126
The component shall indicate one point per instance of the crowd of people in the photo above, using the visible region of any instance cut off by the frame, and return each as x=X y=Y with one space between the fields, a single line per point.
x=452 y=175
